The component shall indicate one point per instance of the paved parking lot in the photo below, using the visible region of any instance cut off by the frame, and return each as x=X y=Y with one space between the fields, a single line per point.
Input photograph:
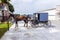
x=41 y=33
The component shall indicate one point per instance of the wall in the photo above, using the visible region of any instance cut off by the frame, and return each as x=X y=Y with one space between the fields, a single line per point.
x=52 y=14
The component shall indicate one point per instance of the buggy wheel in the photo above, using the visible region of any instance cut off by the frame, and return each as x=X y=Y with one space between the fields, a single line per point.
x=48 y=23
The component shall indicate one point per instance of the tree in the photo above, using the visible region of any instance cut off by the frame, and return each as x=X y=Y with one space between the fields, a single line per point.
x=11 y=8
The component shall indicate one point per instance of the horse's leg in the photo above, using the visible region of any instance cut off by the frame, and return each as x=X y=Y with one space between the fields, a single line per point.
x=16 y=25
x=26 y=23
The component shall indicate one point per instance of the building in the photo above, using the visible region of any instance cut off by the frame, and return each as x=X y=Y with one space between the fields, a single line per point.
x=5 y=9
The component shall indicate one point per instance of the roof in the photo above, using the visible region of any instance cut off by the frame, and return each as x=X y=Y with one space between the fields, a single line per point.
x=3 y=6
x=48 y=9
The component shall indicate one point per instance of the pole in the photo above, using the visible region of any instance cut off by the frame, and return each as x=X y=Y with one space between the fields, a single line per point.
x=2 y=15
x=8 y=24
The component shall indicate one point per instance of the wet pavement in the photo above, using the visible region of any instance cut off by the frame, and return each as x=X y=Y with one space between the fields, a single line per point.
x=52 y=32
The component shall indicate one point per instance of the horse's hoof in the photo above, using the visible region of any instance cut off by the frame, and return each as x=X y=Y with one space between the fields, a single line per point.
x=16 y=28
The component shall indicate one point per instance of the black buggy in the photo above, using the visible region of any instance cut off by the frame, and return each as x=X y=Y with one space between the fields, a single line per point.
x=40 y=19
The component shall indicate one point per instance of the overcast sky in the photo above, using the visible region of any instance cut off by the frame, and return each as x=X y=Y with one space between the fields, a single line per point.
x=32 y=6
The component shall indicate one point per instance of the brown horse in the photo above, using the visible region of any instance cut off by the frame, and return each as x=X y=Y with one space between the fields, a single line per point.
x=20 y=18
x=17 y=18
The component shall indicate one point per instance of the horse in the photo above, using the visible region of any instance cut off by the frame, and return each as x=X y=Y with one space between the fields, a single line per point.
x=20 y=18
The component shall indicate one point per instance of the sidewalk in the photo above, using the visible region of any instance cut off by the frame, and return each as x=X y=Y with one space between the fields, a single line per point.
x=41 y=33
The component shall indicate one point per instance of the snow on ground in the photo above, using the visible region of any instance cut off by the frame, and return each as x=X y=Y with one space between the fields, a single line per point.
x=41 y=33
